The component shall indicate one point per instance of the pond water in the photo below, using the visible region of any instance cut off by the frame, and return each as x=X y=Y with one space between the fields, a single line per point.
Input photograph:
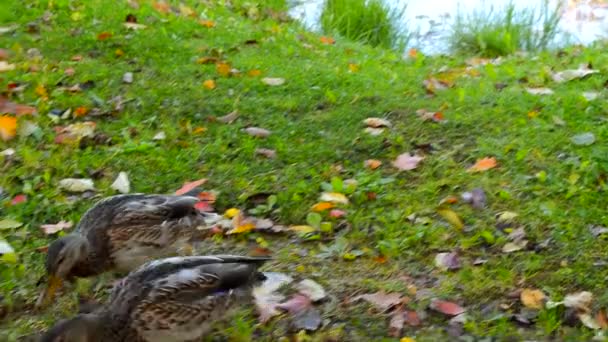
x=582 y=21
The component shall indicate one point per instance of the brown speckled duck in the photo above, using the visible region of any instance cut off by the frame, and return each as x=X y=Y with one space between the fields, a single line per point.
x=121 y=233
x=168 y=300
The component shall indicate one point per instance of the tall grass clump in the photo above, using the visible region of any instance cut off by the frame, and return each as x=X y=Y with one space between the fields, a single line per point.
x=497 y=33
x=367 y=21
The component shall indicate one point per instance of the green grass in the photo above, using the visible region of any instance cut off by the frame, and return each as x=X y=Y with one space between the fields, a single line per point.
x=367 y=21
x=557 y=188
x=503 y=31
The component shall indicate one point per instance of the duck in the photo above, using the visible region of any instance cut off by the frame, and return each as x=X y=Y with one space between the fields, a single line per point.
x=121 y=233
x=174 y=299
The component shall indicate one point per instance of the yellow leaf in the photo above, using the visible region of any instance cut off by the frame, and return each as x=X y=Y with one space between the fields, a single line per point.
x=41 y=92
x=450 y=216
x=186 y=11
x=303 y=229
x=352 y=67
x=199 y=130
x=407 y=339
x=232 y=212
x=119 y=53
x=532 y=114
x=243 y=228
x=223 y=69
x=209 y=84
x=322 y=206
x=254 y=73
x=334 y=197
x=8 y=127
x=483 y=164
x=207 y=23
x=532 y=299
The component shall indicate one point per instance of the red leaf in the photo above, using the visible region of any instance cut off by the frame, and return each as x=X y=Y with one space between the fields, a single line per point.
x=190 y=186
x=18 y=199
x=446 y=308
x=411 y=318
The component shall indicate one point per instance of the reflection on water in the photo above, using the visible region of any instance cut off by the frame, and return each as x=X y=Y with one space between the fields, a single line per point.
x=582 y=21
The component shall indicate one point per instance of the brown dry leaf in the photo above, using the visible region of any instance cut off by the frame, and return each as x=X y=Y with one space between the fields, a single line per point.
x=432 y=85
x=396 y=323
x=451 y=216
x=483 y=164
x=189 y=186
x=407 y=161
x=229 y=118
x=377 y=122
x=8 y=127
x=54 y=228
x=412 y=319
x=104 y=36
x=515 y=246
x=381 y=300
x=257 y=132
x=532 y=298
x=430 y=116
x=446 y=308
x=601 y=319
x=266 y=152
x=372 y=164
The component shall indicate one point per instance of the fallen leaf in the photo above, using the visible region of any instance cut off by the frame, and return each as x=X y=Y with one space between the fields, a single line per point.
x=254 y=73
x=311 y=289
x=539 y=91
x=581 y=301
x=77 y=184
x=257 y=132
x=407 y=339
x=322 y=206
x=8 y=107
x=532 y=298
x=296 y=304
x=127 y=77
x=161 y=7
x=327 y=40
x=430 y=116
x=446 y=308
x=266 y=297
x=104 y=36
x=122 y=184
x=476 y=197
x=451 y=216
x=374 y=131
x=396 y=323
x=601 y=319
x=598 y=230
x=8 y=127
x=224 y=69
x=432 y=85
x=589 y=321
x=189 y=186
x=134 y=26
x=483 y=164
x=229 y=118
x=7 y=253
x=372 y=164
x=407 y=161
x=302 y=229
x=569 y=75
x=268 y=153
x=6 y=66
x=377 y=122
x=591 y=95
x=506 y=216
x=511 y=247
x=583 y=139
x=207 y=23
x=80 y=111
x=232 y=212
x=334 y=197
x=207 y=60
x=186 y=11
x=273 y=81
x=241 y=224
x=209 y=84
x=352 y=67
x=203 y=206
x=337 y=213
x=54 y=228
x=382 y=301
x=159 y=136
x=412 y=53
x=308 y=319
x=8 y=223
x=18 y=199
x=447 y=261
x=412 y=318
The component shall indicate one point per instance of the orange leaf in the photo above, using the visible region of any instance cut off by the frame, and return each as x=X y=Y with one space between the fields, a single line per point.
x=81 y=111
x=381 y=259
x=322 y=206
x=372 y=164
x=104 y=36
x=199 y=130
x=207 y=196
x=327 y=40
x=413 y=53
x=254 y=73
x=207 y=23
x=223 y=69
x=190 y=186
x=8 y=127
x=209 y=84
x=483 y=164
x=162 y=7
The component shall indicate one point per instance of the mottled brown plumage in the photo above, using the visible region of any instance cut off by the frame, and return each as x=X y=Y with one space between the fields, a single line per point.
x=121 y=233
x=167 y=300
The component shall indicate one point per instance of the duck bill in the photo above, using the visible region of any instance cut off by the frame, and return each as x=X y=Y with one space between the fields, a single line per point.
x=54 y=284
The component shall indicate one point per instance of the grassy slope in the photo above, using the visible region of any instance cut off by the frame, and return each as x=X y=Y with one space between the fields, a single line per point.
x=316 y=122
